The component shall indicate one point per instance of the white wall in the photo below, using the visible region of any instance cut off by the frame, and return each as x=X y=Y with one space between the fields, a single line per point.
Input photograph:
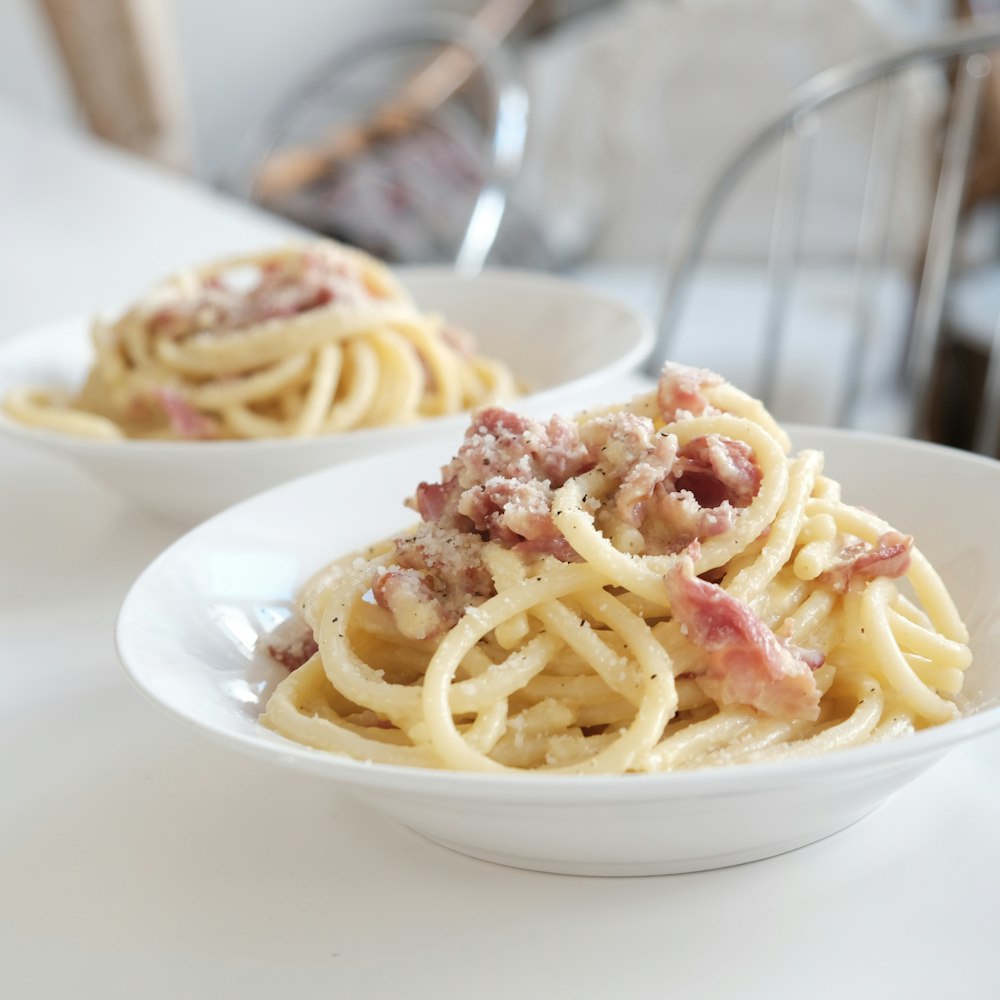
x=31 y=75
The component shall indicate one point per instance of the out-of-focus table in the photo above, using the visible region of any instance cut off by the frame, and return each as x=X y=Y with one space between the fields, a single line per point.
x=139 y=860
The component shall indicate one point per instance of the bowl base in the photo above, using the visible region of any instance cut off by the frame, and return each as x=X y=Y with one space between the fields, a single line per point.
x=634 y=869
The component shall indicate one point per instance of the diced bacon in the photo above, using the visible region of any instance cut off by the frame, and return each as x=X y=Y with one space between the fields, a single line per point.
x=438 y=573
x=636 y=490
x=553 y=544
x=291 y=643
x=527 y=515
x=433 y=500
x=504 y=444
x=675 y=519
x=501 y=444
x=170 y=322
x=499 y=422
x=616 y=441
x=559 y=451
x=277 y=289
x=185 y=420
x=744 y=661
x=411 y=602
x=459 y=340
x=637 y=486
x=711 y=479
x=812 y=658
x=681 y=391
x=499 y=488
x=487 y=506
x=494 y=445
x=452 y=562
x=890 y=556
x=517 y=514
x=718 y=469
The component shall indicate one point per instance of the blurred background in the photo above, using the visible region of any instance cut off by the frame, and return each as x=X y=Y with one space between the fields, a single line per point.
x=805 y=242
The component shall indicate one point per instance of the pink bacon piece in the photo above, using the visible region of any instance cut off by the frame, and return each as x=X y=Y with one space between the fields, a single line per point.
x=291 y=643
x=890 y=557
x=502 y=443
x=681 y=391
x=282 y=289
x=438 y=574
x=716 y=469
x=676 y=519
x=185 y=421
x=414 y=607
x=500 y=483
x=712 y=478
x=451 y=562
x=517 y=514
x=745 y=662
x=628 y=448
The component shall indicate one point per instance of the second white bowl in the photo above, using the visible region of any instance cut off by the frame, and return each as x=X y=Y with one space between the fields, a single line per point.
x=562 y=338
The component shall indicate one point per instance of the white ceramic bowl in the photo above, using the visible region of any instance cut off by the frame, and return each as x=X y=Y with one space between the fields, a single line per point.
x=564 y=339
x=188 y=631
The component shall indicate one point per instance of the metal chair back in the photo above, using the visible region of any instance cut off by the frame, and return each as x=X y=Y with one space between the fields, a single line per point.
x=962 y=51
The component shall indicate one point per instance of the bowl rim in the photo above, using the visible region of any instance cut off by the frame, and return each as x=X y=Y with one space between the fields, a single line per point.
x=76 y=327
x=747 y=778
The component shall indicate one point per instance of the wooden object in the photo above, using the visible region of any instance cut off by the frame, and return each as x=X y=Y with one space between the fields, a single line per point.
x=121 y=59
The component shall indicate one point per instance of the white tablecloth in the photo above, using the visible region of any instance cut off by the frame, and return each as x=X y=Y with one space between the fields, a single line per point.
x=137 y=859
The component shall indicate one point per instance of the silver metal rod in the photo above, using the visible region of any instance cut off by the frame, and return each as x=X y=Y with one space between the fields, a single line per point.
x=929 y=309
x=510 y=128
x=786 y=238
x=873 y=240
x=823 y=89
x=987 y=436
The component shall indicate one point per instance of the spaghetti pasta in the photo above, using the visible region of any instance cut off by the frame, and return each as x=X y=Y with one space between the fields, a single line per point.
x=314 y=338
x=650 y=587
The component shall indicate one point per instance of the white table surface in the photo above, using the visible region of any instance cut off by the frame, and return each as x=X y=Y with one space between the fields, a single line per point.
x=139 y=860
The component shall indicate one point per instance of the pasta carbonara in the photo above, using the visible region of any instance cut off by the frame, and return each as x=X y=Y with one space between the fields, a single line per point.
x=650 y=587
x=311 y=339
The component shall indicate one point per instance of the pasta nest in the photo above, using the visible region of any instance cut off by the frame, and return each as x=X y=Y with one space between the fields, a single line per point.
x=313 y=338
x=656 y=586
